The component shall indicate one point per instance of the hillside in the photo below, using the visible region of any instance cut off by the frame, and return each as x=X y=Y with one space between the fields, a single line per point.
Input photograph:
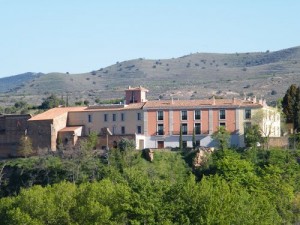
x=200 y=75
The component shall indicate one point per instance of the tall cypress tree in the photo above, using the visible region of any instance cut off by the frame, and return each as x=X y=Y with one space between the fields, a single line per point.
x=180 y=138
x=194 y=138
x=297 y=110
x=289 y=103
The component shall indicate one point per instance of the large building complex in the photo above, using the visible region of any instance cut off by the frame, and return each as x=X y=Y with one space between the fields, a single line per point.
x=153 y=124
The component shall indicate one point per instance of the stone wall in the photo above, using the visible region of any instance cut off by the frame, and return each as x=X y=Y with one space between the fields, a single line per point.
x=12 y=128
x=282 y=142
x=112 y=140
x=40 y=133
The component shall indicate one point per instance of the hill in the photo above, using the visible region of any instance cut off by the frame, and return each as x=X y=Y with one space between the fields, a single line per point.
x=200 y=75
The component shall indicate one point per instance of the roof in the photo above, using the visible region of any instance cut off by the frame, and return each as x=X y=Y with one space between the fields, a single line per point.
x=114 y=107
x=70 y=129
x=55 y=112
x=211 y=103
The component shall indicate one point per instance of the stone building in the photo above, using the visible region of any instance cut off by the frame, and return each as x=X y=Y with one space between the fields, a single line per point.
x=12 y=128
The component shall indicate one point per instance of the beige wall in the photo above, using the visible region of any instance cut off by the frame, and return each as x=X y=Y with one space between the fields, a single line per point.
x=59 y=123
x=130 y=122
x=269 y=123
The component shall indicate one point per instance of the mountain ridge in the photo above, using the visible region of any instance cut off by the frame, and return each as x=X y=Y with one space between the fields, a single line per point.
x=199 y=75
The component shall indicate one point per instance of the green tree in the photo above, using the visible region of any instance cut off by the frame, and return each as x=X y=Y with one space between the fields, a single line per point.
x=297 y=110
x=51 y=102
x=180 y=138
x=91 y=142
x=194 y=138
x=126 y=144
x=21 y=104
x=25 y=149
x=86 y=102
x=222 y=136
x=289 y=102
x=253 y=136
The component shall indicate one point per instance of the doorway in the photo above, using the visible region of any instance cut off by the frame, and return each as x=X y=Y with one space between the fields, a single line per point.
x=160 y=144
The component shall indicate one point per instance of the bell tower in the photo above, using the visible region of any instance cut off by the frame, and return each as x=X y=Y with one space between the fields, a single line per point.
x=135 y=95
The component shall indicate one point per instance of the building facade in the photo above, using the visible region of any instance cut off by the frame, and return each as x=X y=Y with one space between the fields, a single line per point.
x=154 y=124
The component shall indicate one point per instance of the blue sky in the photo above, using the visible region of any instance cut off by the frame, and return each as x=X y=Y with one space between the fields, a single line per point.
x=80 y=36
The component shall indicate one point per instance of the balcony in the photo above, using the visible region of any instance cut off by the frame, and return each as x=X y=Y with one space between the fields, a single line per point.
x=160 y=132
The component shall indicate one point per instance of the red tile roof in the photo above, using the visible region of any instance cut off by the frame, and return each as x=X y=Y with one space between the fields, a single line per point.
x=55 y=112
x=213 y=103
x=69 y=129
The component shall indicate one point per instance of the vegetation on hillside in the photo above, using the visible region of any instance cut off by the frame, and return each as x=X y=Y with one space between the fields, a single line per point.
x=199 y=75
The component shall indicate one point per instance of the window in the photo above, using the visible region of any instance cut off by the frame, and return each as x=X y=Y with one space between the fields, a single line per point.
x=184 y=144
x=222 y=114
x=122 y=116
x=247 y=113
x=139 y=129
x=197 y=143
x=197 y=114
x=197 y=128
x=160 y=115
x=105 y=117
x=122 y=130
x=90 y=118
x=114 y=117
x=160 y=129
x=184 y=115
x=114 y=129
x=222 y=125
x=247 y=125
x=139 y=116
x=184 y=128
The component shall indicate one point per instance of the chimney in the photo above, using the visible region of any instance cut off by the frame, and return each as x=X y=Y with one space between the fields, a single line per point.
x=233 y=100
x=172 y=101
x=254 y=99
x=213 y=100
x=129 y=87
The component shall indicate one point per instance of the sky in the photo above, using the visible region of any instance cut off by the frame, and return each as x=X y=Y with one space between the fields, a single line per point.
x=78 y=36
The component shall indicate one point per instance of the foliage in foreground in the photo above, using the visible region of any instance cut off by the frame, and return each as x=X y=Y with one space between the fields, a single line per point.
x=252 y=187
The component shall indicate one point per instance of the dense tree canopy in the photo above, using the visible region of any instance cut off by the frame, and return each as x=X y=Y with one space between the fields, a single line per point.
x=78 y=187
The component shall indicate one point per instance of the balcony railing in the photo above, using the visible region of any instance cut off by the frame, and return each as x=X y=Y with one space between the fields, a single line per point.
x=160 y=132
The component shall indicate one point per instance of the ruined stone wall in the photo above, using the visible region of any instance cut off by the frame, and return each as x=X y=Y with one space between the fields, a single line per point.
x=12 y=128
x=40 y=133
